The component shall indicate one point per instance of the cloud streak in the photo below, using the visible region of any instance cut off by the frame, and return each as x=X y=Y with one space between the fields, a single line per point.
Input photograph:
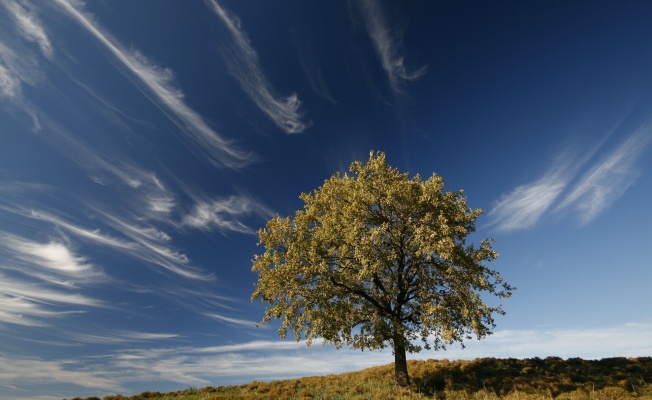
x=223 y=214
x=159 y=84
x=111 y=337
x=388 y=45
x=18 y=68
x=523 y=207
x=29 y=26
x=608 y=179
x=244 y=65
x=93 y=235
x=232 y=321
x=52 y=256
x=53 y=262
x=27 y=304
x=602 y=183
x=16 y=369
x=145 y=243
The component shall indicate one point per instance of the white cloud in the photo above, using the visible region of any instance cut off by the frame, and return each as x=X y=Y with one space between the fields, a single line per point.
x=151 y=245
x=97 y=166
x=608 y=179
x=222 y=214
x=560 y=189
x=28 y=304
x=119 y=337
x=19 y=63
x=133 y=230
x=93 y=235
x=21 y=311
x=29 y=26
x=388 y=45
x=9 y=83
x=37 y=293
x=163 y=204
x=25 y=371
x=52 y=262
x=523 y=207
x=146 y=243
x=160 y=200
x=53 y=256
x=18 y=68
x=245 y=67
x=159 y=84
x=232 y=321
x=150 y=198
x=258 y=360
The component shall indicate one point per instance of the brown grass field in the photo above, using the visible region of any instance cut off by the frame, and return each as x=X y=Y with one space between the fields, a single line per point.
x=481 y=379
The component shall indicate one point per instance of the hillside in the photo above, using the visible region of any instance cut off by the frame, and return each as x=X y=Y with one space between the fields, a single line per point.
x=486 y=378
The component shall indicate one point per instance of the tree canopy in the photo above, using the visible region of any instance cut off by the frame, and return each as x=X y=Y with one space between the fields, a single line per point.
x=379 y=259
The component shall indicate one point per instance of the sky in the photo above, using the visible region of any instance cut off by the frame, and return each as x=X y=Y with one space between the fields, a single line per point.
x=144 y=143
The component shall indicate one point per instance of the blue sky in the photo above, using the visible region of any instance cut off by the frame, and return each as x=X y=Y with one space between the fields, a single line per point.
x=142 y=146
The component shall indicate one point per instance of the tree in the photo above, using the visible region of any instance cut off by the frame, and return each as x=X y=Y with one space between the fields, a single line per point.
x=376 y=260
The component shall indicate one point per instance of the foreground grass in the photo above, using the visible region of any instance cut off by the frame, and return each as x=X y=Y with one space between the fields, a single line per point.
x=481 y=379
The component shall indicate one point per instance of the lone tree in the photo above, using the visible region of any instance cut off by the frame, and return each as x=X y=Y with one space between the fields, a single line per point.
x=376 y=260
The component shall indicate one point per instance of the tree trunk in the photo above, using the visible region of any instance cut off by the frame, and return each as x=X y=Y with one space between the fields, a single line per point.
x=400 y=364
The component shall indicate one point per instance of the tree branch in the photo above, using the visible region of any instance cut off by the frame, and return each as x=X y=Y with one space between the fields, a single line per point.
x=362 y=294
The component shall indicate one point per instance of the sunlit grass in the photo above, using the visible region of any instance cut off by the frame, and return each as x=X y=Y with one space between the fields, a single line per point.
x=480 y=379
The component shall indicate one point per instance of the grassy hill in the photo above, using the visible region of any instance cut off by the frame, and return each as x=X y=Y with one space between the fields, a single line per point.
x=482 y=379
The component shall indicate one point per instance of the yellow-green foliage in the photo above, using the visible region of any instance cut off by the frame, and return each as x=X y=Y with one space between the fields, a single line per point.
x=377 y=258
x=480 y=379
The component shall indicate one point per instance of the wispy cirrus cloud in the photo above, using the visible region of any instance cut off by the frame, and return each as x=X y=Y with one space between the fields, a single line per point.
x=16 y=70
x=9 y=79
x=53 y=261
x=93 y=235
x=157 y=84
x=608 y=179
x=22 y=311
x=149 y=197
x=601 y=184
x=159 y=200
x=244 y=65
x=144 y=243
x=223 y=214
x=19 y=64
x=239 y=362
x=29 y=26
x=388 y=44
x=152 y=245
x=43 y=280
x=108 y=337
x=232 y=321
x=140 y=242
x=51 y=256
x=524 y=206
x=44 y=372
x=32 y=304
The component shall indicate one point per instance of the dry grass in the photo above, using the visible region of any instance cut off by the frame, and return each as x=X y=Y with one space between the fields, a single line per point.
x=480 y=379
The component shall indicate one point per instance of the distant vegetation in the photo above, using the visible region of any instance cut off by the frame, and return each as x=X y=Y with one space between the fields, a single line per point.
x=481 y=379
